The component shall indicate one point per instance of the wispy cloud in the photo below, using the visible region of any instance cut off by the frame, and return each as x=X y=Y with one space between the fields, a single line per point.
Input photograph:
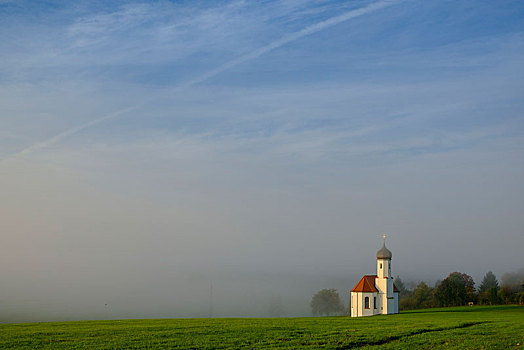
x=294 y=36
x=121 y=21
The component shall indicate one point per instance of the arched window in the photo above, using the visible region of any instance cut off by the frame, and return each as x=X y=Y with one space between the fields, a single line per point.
x=374 y=302
x=380 y=265
x=366 y=302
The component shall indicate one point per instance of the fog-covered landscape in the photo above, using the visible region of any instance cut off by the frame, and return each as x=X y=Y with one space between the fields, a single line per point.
x=151 y=150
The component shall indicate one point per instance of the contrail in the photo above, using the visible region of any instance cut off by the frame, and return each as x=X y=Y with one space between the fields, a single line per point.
x=295 y=36
x=314 y=28
x=69 y=132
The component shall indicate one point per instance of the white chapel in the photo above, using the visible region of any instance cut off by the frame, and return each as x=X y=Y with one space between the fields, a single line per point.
x=376 y=294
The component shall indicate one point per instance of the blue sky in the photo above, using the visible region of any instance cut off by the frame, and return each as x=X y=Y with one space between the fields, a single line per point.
x=158 y=48
x=241 y=138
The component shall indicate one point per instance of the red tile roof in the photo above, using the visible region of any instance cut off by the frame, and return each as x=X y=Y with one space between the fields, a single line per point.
x=366 y=284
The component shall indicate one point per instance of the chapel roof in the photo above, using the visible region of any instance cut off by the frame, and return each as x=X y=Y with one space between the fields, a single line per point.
x=366 y=285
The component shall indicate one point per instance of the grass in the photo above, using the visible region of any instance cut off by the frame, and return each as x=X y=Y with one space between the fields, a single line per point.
x=495 y=327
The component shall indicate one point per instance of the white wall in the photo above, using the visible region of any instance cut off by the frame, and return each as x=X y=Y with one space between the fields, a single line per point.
x=358 y=303
x=383 y=268
x=395 y=307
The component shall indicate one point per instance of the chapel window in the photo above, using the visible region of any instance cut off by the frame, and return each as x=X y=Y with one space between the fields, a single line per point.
x=374 y=302
x=366 y=302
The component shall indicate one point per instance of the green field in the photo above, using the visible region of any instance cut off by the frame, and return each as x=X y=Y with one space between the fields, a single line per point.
x=496 y=327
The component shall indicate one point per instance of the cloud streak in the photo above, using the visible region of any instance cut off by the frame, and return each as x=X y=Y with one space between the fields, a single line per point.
x=309 y=30
x=312 y=29
x=72 y=131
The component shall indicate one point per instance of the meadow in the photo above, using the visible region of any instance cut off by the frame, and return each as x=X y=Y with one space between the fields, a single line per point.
x=478 y=327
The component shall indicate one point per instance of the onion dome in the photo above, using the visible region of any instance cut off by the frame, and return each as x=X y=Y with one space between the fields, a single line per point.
x=384 y=253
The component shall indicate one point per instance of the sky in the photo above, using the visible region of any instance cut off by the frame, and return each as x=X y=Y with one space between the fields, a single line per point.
x=149 y=150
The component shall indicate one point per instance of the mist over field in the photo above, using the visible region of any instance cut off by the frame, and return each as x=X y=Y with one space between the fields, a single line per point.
x=149 y=150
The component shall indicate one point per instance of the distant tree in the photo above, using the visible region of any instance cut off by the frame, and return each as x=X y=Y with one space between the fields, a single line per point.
x=505 y=295
x=514 y=281
x=406 y=303
x=400 y=285
x=512 y=289
x=520 y=298
x=488 y=289
x=412 y=286
x=326 y=302
x=405 y=297
x=470 y=287
x=445 y=294
x=456 y=289
x=489 y=281
x=423 y=296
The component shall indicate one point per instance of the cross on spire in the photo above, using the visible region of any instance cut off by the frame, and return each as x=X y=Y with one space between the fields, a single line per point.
x=384 y=236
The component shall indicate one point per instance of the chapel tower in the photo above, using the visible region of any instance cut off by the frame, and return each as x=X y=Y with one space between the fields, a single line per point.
x=384 y=282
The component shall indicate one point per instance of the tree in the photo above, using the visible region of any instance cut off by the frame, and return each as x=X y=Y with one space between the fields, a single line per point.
x=325 y=302
x=514 y=280
x=423 y=296
x=470 y=287
x=400 y=285
x=457 y=289
x=512 y=289
x=506 y=295
x=488 y=289
x=489 y=281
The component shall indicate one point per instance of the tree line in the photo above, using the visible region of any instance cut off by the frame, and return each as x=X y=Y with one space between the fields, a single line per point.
x=459 y=289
